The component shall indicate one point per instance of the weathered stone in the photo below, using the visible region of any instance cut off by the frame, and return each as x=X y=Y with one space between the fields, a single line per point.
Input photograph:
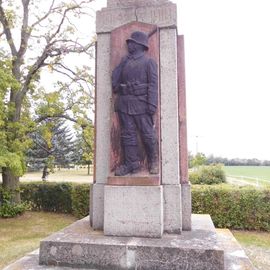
x=194 y=250
x=133 y=211
x=172 y=209
x=163 y=15
x=128 y=3
x=186 y=206
x=79 y=234
x=97 y=206
x=182 y=110
x=169 y=107
x=103 y=109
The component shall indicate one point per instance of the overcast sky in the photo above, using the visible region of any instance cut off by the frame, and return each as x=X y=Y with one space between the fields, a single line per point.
x=227 y=52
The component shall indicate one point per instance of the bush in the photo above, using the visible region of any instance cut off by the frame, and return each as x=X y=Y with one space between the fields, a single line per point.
x=57 y=197
x=9 y=209
x=229 y=206
x=208 y=175
x=80 y=200
x=52 y=197
x=233 y=207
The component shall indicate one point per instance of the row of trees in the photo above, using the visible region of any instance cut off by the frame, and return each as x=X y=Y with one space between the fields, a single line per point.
x=202 y=159
x=38 y=36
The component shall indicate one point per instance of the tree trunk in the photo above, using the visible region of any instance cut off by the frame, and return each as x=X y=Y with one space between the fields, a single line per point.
x=12 y=184
x=88 y=169
x=45 y=173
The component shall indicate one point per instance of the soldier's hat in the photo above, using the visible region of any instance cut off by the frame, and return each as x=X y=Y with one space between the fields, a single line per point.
x=139 y=38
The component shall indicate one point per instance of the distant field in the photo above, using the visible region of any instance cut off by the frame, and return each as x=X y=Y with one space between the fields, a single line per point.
x=250 y=174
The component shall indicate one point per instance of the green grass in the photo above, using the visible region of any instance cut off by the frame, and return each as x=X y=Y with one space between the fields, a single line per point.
x=253 y=238
x=260 y=172
x=20 y=235
x=250 y=174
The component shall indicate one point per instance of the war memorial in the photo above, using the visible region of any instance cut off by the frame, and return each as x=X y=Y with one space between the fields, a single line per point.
x=140 y=208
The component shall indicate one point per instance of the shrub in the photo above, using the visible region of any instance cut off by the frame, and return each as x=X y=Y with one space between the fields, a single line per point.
x=233 y=207
x=57 y=197
x=48 y=196
x=9 y=209
x=80 y=200
x=208 y=175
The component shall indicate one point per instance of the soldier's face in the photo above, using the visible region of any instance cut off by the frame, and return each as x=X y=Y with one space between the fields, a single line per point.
x=131 y=45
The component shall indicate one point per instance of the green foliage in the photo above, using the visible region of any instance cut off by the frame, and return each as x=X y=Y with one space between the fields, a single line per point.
x=208 y=175
x=198 y=160
x=80 y=200
x=229 y=206
x=233 y=207
x=23 y=101
x=52 y=197
x=9 y=209
x=57 y=197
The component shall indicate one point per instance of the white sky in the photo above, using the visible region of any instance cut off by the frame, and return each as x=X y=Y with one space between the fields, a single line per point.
x=227 y=54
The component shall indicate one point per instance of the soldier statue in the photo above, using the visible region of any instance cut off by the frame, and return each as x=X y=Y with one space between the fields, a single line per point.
x=135 y=81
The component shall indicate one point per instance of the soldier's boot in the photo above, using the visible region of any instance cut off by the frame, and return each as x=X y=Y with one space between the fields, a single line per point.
x=131 y=164
x=152 y=153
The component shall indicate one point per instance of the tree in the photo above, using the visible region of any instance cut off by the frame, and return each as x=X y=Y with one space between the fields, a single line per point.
x=198 y=160
x=53 y=144
x=47 y=35
x=85 y=145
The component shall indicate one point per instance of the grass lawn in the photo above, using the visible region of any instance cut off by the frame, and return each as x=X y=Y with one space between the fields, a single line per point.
x=256 y=246
x=64 y=175
x=260 y=172
x=20 y=235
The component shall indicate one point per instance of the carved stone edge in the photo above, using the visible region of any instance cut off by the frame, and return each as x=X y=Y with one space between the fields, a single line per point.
x=164 y=15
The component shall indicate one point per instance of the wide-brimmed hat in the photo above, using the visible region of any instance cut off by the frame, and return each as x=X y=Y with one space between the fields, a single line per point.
x=139 y=38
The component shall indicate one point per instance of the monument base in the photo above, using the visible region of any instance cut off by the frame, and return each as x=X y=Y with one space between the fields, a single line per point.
x=79 y=247
x=133 y=211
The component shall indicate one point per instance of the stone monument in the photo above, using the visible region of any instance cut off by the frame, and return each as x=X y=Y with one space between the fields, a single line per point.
x=141 y=204
x=140 y=208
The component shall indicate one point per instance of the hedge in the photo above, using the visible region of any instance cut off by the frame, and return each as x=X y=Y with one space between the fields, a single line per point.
x=57 y=197
x=233 y=207
x=229 y=206
x=208 y=175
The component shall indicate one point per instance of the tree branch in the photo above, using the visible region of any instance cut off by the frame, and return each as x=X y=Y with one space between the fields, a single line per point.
x=7 y=31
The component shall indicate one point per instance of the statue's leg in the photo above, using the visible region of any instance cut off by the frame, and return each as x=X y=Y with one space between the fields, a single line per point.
x=145 y=125
x=129 y=144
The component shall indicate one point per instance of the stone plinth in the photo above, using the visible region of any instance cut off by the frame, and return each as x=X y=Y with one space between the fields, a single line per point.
x=77 y=246
x=234 y=255
x=133 y=211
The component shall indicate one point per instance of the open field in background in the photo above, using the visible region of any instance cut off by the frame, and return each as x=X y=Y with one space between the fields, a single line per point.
x=64 y=175
x=248 y=175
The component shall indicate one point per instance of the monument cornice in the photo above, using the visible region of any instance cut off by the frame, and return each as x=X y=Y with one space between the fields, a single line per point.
x=163 y=15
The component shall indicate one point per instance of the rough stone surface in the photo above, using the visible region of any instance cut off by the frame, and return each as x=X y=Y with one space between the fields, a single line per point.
x=169 y=107
x=97 y=206
x=163 y=15
x=79 y=233
x=172 y=209
x=103 y=108
x=78 y=246
x=186 y=207
x=182 y=110
x=128 y=3
x=133 y=211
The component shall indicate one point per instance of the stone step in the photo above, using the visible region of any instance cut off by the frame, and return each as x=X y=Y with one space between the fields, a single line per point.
x=202 y=248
